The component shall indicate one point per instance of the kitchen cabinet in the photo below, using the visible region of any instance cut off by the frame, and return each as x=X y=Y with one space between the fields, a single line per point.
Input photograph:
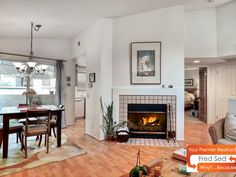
x=80 y=108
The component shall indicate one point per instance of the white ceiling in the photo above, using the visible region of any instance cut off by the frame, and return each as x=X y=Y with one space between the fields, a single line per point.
x=65 y=18
x=189 y=62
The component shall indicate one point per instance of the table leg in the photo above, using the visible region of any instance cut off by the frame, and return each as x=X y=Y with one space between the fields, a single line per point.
x=59 y=128
x=5 y=136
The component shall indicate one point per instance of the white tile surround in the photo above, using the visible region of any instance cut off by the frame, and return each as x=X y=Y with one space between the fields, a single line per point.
x=155 y=92
x=124 y=100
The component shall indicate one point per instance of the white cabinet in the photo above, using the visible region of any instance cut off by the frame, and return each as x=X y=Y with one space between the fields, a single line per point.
x=226 y=88
x=79 y=107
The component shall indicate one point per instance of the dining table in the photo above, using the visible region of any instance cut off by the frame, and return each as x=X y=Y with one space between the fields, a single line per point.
x=19 y=113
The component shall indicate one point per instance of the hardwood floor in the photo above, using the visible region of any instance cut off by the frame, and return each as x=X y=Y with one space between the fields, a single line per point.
x=195 y=131
x=108 y=159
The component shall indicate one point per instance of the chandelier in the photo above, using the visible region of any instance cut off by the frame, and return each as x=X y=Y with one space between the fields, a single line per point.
x=31 y=67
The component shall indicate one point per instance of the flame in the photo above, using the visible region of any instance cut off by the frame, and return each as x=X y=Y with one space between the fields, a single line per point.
x=149 y=120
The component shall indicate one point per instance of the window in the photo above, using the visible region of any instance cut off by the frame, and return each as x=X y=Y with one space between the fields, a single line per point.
x=46 y=83
x=12 y=83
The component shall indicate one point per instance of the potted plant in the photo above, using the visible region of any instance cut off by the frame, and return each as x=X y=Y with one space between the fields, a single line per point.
x=138 y=170
x=109 y=126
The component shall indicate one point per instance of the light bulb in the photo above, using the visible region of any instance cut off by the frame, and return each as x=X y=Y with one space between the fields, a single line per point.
x=31 y=64
x=22 y=66
x=43 y=67
x=17 y=64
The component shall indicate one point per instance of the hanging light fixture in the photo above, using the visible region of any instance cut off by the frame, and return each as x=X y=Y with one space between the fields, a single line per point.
x=31 y=67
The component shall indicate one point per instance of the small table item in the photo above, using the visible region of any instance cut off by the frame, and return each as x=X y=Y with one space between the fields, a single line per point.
x=154 y=167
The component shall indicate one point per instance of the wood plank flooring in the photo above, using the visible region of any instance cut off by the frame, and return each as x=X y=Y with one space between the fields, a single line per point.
x=108 y=159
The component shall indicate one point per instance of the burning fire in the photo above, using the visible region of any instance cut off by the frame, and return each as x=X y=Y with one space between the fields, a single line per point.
x=150 y=121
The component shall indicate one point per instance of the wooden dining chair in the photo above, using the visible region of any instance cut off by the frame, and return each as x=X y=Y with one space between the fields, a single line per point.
x=31 y=119
x=14 y=127
x=36 y=129
x=53 y=124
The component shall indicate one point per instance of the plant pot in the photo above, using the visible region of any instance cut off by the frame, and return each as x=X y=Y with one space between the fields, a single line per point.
x=109 y=137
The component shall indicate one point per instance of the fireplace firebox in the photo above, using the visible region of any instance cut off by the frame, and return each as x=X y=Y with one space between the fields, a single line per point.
x=147 y=120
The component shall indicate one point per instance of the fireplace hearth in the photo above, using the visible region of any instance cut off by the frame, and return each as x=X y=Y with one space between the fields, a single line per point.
x=147 y=120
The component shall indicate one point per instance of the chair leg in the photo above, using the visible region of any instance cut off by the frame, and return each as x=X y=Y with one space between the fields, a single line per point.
x=1 y=136
x=22 y=141
x=20 y=136
x=17 y=135
x=54 y=132
x=40 y=140
x=47 y=142
x=26 y=155
x=50 y=132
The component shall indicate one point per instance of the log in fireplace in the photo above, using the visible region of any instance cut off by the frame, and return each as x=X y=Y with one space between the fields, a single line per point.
x=147 y=120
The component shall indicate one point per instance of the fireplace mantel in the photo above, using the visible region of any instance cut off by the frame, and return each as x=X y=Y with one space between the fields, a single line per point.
x=153 y=91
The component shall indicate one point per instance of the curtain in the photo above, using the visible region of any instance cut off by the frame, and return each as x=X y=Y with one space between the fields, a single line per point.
x=60 y=89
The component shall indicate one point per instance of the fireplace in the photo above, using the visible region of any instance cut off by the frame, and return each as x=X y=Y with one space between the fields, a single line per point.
x=147 y=120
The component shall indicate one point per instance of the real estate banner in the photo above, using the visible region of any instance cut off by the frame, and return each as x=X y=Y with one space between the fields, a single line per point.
x=211 y=158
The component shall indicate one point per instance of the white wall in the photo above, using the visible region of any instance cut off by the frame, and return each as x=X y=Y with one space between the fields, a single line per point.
x=47 y=47
x=211 y=32
x=106 y=64
x=69 y=95
x=226 y=26
x=200 y=37
x=165 y=25
x=192 y=73
x=96 y=46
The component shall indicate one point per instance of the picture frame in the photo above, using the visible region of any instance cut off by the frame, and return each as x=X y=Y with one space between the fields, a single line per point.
x=188 y=82
x=145 y=63
x=92 y=77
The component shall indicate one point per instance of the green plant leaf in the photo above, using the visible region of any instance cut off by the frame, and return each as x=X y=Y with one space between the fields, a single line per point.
x=108 y=125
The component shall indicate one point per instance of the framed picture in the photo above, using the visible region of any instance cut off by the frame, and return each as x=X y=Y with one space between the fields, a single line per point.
x=145 y=63
x=92 y=77
x=188 y=82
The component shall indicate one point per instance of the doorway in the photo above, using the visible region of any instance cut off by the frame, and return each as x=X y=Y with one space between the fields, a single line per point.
x=80 y=90
x=195 y=95
x=191 y=92
x=203 y=94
